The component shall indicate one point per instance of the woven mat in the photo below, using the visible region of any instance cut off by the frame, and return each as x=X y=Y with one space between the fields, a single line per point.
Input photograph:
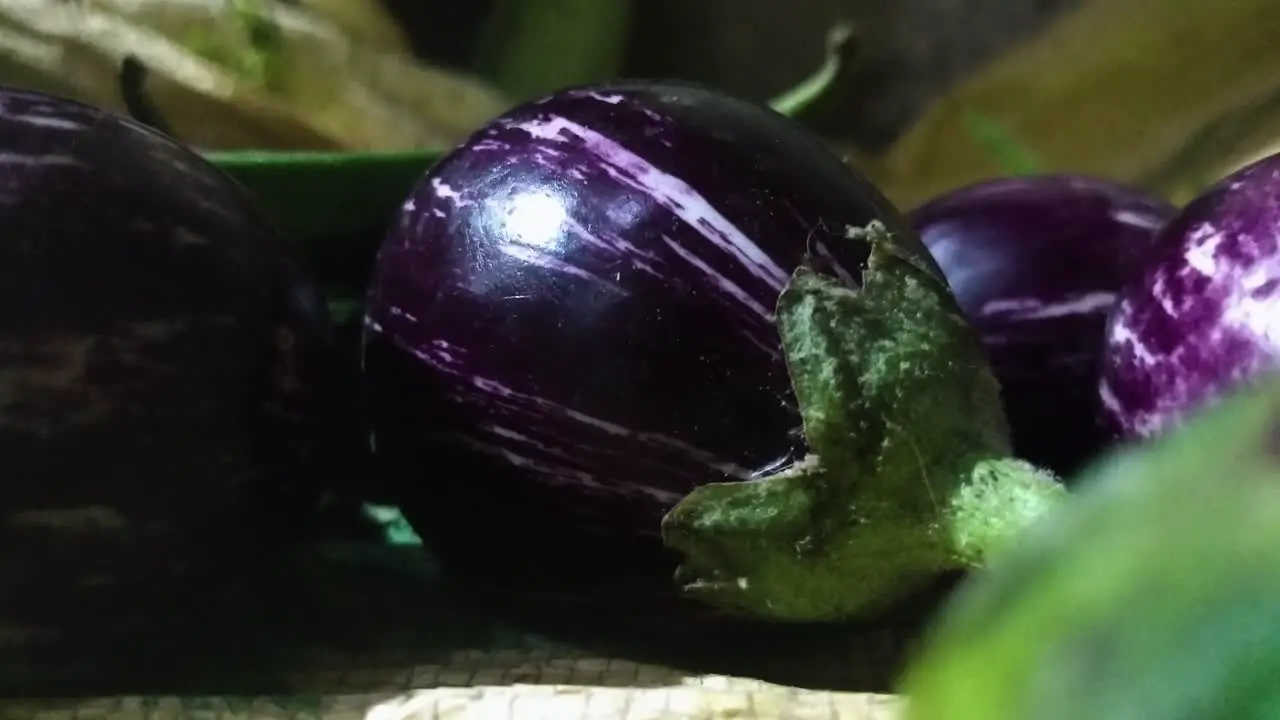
x=353 y=634
x=654 y=693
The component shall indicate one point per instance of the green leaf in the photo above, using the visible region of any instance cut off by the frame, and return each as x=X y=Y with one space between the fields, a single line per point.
x=1013 y=157
x=259 y=62
x=1153 y=594
x=532 y=47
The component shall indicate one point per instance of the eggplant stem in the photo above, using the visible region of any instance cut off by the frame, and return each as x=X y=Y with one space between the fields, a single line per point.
x=841 y=50
x=132 y=80
x=908 y=475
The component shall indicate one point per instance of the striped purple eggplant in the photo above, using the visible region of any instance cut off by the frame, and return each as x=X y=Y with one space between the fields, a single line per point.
x=1202 y=316
x=1036 y=263
x=572 y=326
x=590 y=282
x=162 y=362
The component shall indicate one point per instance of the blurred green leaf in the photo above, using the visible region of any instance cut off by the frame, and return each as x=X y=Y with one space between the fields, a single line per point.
x=1011 y=155
x=344 y=310
x=532 y=47
x=1111 y=88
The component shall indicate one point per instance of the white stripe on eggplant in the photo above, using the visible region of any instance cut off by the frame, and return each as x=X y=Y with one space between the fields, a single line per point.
x=669 y=191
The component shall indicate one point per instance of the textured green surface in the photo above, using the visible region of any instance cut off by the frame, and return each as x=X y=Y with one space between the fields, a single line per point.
x=903 y=421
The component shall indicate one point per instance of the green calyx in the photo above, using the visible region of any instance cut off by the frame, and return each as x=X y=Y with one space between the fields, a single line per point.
x=908 y=473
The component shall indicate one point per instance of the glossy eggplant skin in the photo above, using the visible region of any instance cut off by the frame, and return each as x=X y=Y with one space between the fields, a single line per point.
x=1036 y=263
x=163 y=364
x=570 y=326
x=1201 y=317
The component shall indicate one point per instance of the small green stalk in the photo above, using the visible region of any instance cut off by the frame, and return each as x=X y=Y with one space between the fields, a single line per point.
x=841 y=46
x=137 y=101
x=909 y=473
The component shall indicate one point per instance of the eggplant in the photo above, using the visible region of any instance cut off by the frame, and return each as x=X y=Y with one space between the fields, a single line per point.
x=1036 y=263
x=163 y=372
x=1200 y=316
x=616 y=318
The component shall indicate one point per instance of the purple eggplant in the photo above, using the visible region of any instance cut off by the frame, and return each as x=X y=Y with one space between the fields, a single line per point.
x=1035 y=263
x=1202 y=315
x=610 y=307
x=163 y=364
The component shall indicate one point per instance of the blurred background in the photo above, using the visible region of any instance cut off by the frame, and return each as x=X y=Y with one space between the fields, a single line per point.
x=922 y=95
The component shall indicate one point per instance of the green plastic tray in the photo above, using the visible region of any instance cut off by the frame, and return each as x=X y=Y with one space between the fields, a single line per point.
x=324 y=195
x=334 y=206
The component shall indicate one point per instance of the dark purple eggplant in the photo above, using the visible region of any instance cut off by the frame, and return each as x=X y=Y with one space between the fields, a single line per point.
x=163 y=364
x=1201 y=317
x=1035 y=263
x=609 y=308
